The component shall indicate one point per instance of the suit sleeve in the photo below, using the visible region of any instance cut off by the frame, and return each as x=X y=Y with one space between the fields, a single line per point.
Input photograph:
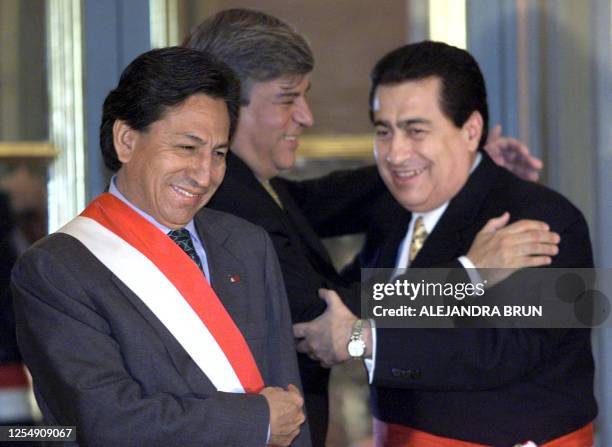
x=285 y=370
x=81 y=379
x=478 y=359
x=338 y=203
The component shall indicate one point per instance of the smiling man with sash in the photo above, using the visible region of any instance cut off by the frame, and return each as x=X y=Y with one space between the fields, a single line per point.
x=142 y=325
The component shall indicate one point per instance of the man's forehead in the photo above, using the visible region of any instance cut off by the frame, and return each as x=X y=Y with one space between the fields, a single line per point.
x=291 y=80
x=406 y=91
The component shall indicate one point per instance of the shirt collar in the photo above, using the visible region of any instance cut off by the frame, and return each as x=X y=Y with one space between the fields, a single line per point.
x=115 y=191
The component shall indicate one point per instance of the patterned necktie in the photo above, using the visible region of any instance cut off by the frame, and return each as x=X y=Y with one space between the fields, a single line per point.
x=268 y=187
x=182 y=238
x=419 y=234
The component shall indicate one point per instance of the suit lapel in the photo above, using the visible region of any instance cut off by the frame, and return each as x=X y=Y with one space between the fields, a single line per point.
x=453 y=234
x=388 y=254
x=227 y=276
x=244 y=179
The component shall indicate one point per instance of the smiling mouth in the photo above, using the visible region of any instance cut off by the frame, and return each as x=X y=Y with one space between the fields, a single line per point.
x=291 y=137
x=409 y=173
x=184 y=192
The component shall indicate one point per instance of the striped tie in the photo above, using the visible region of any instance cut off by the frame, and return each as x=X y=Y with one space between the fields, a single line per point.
x=268 y=187
x=419 y=234
x=182 y=238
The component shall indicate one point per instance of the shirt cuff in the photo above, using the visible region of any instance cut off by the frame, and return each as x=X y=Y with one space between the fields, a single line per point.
x=471 y=269
x=370 y=363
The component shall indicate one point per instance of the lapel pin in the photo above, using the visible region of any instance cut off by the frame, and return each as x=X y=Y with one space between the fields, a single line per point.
x=234 y=278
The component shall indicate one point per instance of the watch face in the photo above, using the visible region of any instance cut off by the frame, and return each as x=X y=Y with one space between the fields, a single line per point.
x=356 y=348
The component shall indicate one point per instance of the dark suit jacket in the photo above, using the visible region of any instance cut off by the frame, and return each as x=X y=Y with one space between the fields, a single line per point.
x=102 y=361
x=8 y=344
x=328 y=206
x=491 y=386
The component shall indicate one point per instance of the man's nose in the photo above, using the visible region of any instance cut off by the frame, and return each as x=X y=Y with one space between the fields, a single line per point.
x=200 y=171
x=302 y=113
x=400 y=150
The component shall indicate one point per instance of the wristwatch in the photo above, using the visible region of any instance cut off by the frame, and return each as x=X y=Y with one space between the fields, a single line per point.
x=356 y=346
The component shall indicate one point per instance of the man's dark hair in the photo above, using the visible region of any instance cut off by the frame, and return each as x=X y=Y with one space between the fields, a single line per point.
x=257 y=46
x=462 y=84
x=160 y=79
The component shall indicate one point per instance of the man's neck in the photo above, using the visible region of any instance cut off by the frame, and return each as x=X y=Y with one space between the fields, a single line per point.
x=259 y=169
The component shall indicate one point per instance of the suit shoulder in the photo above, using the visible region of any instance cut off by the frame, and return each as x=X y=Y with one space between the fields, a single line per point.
x=230 y=222
x=57 y=245
x=535 y=200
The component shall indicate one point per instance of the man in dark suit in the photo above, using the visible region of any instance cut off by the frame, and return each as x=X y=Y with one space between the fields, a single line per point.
x=461 y=387
x=140 y=324
x=14 y=386
x=273 y=63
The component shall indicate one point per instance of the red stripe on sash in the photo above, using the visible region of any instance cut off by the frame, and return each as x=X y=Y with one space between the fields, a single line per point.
x=185 y=275
x=394 y=435
x=12 y=375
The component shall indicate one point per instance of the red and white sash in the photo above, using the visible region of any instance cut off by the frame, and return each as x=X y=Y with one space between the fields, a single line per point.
x=172 y=286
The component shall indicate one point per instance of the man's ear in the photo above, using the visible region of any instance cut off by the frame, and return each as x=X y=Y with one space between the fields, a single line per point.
x=124 y=138
x=473 y=130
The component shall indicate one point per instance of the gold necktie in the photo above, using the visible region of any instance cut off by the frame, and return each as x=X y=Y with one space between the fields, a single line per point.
x=419 y=234
x=268 y=187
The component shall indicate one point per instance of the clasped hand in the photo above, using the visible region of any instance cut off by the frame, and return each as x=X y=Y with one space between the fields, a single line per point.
x=326 y=337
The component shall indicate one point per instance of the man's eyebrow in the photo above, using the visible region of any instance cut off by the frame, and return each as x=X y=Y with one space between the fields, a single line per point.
x=192 y=137
x=290 y=89
x=224 y=145
x=409 y=122
x=292 y=94
x=403 y=123
x=381 y=123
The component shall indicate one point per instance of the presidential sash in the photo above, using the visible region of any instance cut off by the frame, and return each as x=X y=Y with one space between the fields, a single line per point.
x=172 y=286
x=395 y=435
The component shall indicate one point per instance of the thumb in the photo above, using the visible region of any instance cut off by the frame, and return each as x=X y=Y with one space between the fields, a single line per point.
x=295 y=391
x=494 y=133
x=330 y=297
x=497 y=223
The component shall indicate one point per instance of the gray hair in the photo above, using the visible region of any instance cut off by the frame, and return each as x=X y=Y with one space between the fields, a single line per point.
x=257 y=46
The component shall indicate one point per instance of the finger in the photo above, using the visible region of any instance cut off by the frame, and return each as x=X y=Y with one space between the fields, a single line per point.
x=326 y=365
x=496 y=223
x=494 y=150
x=297 y=395
x=293 y=435
x=533 y=261
x=521 y=157
x=330 y=297
x=494 y=133
x=527 y=162
x=302 y=418
x=526 y=225
x=300 y=330
x=536 y=249
x=303 y=347
x=527 y=173
x=526 y=159
x=531 y=237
